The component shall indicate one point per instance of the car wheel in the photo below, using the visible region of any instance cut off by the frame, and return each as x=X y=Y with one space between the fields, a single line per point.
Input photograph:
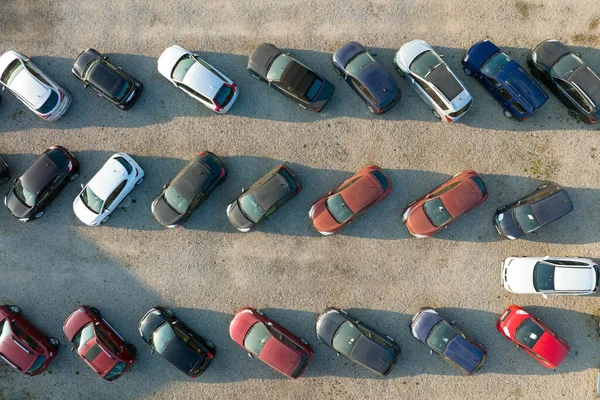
x=131 y=348
x=467 y=71
x=169 y=312
x=3 y=180
x=371 y=109
x=304 y=341
x=14 y=309
x=53 y=342
x=139 y=182
x=39 y=214
x=507 y=113
x=210 y=344
x=436 y=114
x=400 y=72
x=94 y=311
x=74 y=176
x=105 y=219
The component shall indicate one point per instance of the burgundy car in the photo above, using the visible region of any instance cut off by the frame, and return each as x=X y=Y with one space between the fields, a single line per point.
x=355 y=196
x=98 y=344
x=270 y=342
x=445 y=204
x=23 y=346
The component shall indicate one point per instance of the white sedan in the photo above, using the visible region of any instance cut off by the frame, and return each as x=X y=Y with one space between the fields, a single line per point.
x=550 y=275
x=197 y=78
x=33 y=87
x=103 y=193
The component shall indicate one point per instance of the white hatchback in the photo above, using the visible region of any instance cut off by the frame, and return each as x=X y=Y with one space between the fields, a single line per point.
x=550 y=275
x=103 y=193
x=197 y=78
x=33 y=87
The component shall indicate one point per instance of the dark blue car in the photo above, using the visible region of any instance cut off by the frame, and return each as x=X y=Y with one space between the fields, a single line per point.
x=503 y=77
x=447 y=340
x=367 y=77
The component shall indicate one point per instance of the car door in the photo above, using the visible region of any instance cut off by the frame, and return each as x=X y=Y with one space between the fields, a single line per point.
x=421 y=88
x=113 y=200
x=191 y=92
x=571 y=97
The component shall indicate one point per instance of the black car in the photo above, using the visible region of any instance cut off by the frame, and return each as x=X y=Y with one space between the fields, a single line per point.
x=367 y=77
x=189 y=189
x=177 y=343
x=290 y=77
x=4 y=172
x=41 y=183
x=357 y=341
x=107 y=79
x=568 y=77
x=548 y=203
x=264 y=197
x=447 y=340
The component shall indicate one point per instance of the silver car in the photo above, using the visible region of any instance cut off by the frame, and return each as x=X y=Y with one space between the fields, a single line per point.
x=437 y=85
x=32 y=86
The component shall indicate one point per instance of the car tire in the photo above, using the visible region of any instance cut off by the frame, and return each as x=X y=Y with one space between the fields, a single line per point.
x=467 y=71
x=39 y=215
x=131 y=348
x=507 y=113
x=52 y=341
x=94 y=311
x=74 y=176
x=139 y=182
x=14 y=309
x=400 y=72
x=105 y=219
x=371 y=110
x=210 y=344
x=436 y=114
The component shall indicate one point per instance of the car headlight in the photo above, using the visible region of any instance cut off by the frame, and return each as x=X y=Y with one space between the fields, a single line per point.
x=419 y=236
x=243 y=229
x=506 y=331
x=326 y=233
x=311 y=212
x=500 y=217
x=229 y=207
x=510 y=237
x=405 y=214
x=172 y=226
x=534 y=56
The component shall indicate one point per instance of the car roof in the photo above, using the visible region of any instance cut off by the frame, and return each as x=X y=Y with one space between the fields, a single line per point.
x=280 y=356
x=378 y=82
x=552 y=207
x=362 y=192
x=514 y=79
x=297 y=78
x=371 y=354
x=41 y=172
x=180 y=355
x=589 y=82
x=271 y=191
x=108 y=178
x=29 y=88
x=462 y=197
x=574 y=278
x=14 y=353
x=192 y=179
x=442 y=78
x=108 y=79
x=464 y=353
x=202 y=80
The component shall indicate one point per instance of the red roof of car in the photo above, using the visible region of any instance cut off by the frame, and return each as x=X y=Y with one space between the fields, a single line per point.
x=279 y=356
x=362 y=192
x=102 y=363
x=462 y=197
x=10 y=350
x=552 y=349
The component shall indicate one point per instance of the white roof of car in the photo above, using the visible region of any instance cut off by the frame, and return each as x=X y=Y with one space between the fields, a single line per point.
x=25 y=84
x=108 y=178
x=574 y=279
x=566 y=278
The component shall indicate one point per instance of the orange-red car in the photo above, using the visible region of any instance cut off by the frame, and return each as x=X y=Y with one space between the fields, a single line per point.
x=459 y=195
x=350 y=200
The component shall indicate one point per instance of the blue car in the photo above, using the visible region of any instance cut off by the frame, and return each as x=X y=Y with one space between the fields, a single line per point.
x=366 y=76
x=503 y=77
x=447 y=341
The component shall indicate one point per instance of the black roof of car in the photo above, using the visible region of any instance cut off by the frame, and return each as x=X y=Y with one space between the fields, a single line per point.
x=41 y=172
x=589 y=82
x=552 y=207
x=110 y=79
x=298 y=79
x=443 y=79
x=192 y=179
x=180 y=355
x=271 y=191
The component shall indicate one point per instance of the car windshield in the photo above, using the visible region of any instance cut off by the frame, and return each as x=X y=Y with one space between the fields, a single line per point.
x=24 y=195
x=278 y=66
x=543 y=276
x=250 y=207
x=39 y=361
x=83 y=336
x=526 y=219
x=346 y=337
x=495 y=64
x=224 y=95
x=91 y=201
x=162 y=337
x=182 y=67
x=49 y=104
x=358 y=63
x=440 y=336
x=425 y=63
x=338 y=208
x=176 y=201
x=436 y=212
x=116 y=371
x=565 y=67
x=11 y=72
x=528 y=333
x=256 y=338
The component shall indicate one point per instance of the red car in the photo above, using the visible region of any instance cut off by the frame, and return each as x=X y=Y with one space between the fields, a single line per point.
x=350 y=200
x=445 y=204
x=264 y=338
x=98 y=344
x=22 y=345
x=531 y=335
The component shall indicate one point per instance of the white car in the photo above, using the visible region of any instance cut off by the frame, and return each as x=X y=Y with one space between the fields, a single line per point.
x=197 y=78
x=33 y=87
x=550 y=275
x=103 y=193
x=433 y=80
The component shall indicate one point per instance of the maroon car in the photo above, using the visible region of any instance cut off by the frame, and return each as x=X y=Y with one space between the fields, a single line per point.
x=23 y=346
x=98 y=344
x=270 y=342
x=445 y=204
x=355 y=196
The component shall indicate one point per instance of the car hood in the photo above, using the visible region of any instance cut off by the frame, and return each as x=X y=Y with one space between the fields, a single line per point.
x=279 y=356
x=409 y=51
x=84 y=214
x=17 y=208
x=237 y=218
x=150 y=323
x=347 y=52
x=522 y=86
x=163 y=213
x=480 y=52
x=580 y=279
x=417 y=222
x=74 y=323
x=379 y=83
x=549 y=52
x=519 y=275
x=551 y=348
x=262 y=57
x=506 y=225
x=372 y=355
x=464 y=353
x=322 y=219
x=15 y=354
x=181 y=356
x=169 y=58
x=328 y=324
x=424 y=323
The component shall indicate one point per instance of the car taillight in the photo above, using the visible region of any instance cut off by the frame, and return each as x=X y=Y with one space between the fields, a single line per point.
x=210 y=355
x=45 y=116
x=137 y=172
x=222 y=173
x=448 y=119
x=232 y=86
x=217 y=107
x=503 y=317
x=201 y=153
x=62 y=95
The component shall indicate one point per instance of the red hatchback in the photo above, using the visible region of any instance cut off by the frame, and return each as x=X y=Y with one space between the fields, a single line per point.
x=445 y=204
x=531 y=335
x=350 y=200
x=98 y=344
x=22 y=345
x=270 y=342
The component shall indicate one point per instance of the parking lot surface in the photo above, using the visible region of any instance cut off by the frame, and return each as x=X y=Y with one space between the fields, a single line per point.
x=206 y=270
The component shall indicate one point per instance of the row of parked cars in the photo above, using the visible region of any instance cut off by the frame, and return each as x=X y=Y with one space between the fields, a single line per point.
x=562 y=70
x=30 y=194
x=27 y=349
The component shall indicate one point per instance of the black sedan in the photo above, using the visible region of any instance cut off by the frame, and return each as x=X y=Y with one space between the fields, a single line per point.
x=264 y=197
x=41 y=183
x=177 y=343
x=548 y=203
x=107 y=79
x=448 y=341
x=4 y=172
x=189 y=189
x=357 y=341
x=367 y=77
x=568 y=77
x=290 y=77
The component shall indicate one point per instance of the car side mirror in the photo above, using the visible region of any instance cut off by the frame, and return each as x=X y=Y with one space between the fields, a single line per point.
x=442 y=56
x=452 y=322
x=374 y=54
x=85 y=85
x=152 y=351
x=243 y=190
x=338 y=354
x=165 y=186
x=430 y=352
x=105 y=57
x=15 y=180
x=72 y=348
x=82 y=185
x=250 y=355
x=545 y=296
x=270 y=323
x=3 y=87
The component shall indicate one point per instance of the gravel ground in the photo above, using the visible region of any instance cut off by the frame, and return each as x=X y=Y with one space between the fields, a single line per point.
x=206 y=271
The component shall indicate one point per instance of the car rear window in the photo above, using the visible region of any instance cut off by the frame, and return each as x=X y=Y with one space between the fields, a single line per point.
x=224 y=95
x=543 y=276
x=301 y=365
x=436 y=212
x=39 y=361
x=380 y=178
x=125 y=164
x=462 y=110
x=313 y=89
x=528 y=333
x=338 y=208
x=480 y=184
x=519 y=107
x=115 y=372
x=49 y=104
